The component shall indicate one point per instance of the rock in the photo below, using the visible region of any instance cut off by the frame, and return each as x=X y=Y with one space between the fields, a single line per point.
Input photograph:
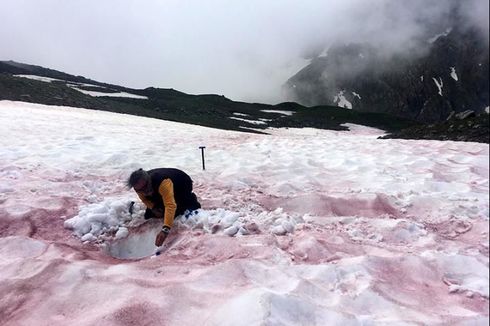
x=401 y=88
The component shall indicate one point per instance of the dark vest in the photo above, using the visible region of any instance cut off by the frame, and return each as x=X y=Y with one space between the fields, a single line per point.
x=181 y=181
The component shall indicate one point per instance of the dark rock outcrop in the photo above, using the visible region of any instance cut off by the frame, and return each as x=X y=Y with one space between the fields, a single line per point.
x=468 y=127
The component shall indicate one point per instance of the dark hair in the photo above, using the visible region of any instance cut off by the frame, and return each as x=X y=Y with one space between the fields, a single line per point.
x=135 y=177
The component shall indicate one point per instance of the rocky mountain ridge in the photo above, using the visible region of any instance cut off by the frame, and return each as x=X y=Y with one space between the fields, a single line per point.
x=450 y=74
x=22 y=82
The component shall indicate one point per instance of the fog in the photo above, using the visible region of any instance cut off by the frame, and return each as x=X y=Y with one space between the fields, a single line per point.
x=244 y=50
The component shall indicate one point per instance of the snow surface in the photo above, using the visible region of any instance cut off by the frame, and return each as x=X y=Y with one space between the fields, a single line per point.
x=341 y=101
x=300 y=227
x=453 y=73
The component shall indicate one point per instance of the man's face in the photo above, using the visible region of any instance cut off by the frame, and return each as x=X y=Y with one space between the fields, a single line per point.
x=144 y=186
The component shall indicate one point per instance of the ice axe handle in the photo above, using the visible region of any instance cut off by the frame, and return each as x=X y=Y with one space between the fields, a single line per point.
x=202 y=156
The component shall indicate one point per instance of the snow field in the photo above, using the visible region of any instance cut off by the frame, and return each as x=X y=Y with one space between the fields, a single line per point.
x=302 y=226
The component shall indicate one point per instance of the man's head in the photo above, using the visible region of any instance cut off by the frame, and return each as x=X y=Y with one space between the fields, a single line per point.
x=140 y=181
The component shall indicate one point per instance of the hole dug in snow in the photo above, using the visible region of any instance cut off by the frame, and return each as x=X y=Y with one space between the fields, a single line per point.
x=137 y=244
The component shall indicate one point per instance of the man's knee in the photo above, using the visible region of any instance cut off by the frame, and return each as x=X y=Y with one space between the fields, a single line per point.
x=193 y=203
x=149 y=214
x=154 y=213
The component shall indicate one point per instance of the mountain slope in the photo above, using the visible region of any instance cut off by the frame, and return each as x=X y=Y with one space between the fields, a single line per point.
x=21 y=82
x=449 y=74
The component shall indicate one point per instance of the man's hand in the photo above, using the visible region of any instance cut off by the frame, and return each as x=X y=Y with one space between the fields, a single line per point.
x=161 y=236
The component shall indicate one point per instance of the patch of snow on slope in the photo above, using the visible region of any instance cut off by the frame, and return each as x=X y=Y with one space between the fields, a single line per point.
x=40 y=78
x=49 y=80
x=356 y=95
x=453 y=73
x=435 y=37
x=341 y=101
x=439 y=84
x=241 y=114
x=119 y=94
x=279 y=112
x=254 y=122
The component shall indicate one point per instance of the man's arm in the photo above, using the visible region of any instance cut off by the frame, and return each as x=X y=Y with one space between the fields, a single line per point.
x=166 y=190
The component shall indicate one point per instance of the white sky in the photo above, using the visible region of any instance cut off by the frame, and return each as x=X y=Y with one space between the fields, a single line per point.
x=244 y=50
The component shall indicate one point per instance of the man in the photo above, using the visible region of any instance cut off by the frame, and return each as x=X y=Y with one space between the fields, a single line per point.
x=166 y=193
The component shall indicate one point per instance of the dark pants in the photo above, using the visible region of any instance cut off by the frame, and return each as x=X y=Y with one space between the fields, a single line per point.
x=190 y=203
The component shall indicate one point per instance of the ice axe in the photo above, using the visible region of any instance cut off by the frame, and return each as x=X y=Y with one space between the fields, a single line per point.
x=202 y=156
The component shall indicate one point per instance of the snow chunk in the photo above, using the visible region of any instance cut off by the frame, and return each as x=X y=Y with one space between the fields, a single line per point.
x=122 y=233
x=231 y=231
x=97 y=219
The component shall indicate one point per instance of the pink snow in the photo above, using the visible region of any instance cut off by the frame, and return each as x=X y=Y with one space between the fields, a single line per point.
x=331 y=227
